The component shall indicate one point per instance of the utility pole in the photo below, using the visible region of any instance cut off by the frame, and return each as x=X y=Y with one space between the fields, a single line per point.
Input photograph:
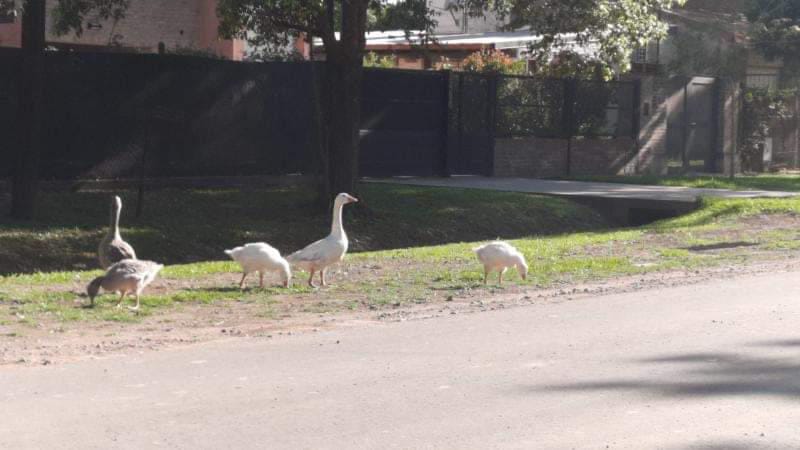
x=25 y=181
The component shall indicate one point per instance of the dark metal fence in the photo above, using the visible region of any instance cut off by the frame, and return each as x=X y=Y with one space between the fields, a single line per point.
x=114 y=115
x=565 y=108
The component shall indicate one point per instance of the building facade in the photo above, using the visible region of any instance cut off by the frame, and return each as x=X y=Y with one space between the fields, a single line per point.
x=177 y=25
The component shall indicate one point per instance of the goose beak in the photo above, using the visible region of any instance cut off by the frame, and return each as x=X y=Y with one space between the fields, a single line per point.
x=352 y=199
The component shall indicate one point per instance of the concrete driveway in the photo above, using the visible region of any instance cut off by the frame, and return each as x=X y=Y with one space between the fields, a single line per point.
x=583 y=189
x=712 y=366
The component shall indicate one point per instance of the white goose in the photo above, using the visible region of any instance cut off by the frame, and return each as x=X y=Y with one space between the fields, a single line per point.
x=500 y=256
x=260 y=257
x=129 y=276
x=113 y=248
x=321 y=254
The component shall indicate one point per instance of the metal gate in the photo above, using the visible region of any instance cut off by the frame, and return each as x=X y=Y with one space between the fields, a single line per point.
x=473 y=101
x=403 y=122
x=692 y=125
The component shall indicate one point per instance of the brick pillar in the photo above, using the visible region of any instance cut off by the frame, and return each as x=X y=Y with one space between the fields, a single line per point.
x=730 y=108
x=651 y=155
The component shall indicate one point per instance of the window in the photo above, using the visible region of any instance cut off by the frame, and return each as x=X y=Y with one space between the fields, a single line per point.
x=640 y=55
x=762 y=80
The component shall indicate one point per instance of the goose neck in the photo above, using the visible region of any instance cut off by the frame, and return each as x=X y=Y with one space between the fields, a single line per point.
x=337 y=229
x=115 y=213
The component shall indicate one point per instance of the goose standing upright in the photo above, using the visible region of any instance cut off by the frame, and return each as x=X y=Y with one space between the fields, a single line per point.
x=330 y=250
x=129 y=276
x=113 y=248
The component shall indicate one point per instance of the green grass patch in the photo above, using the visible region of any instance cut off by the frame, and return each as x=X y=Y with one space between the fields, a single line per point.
x=187 y=226
x=412 y=245
x=767 y=182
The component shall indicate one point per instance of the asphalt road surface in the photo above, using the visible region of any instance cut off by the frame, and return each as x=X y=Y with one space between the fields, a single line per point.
x=713 y=366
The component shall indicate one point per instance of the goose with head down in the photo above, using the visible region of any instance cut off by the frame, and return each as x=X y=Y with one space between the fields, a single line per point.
x=318 y=256
x=129 y=276
x=260 y=257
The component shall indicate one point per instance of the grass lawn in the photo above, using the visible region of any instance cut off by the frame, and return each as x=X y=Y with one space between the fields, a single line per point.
x=411 y=246
x=768 y=182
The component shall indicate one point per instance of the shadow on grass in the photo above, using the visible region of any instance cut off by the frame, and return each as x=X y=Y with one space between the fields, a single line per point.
x=186 y=226
x=720 y=246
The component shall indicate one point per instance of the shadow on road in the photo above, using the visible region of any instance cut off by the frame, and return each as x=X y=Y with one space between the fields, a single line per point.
x=714 y=374
x=736 y=445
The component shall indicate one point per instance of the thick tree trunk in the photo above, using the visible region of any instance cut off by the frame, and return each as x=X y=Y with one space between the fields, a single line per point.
x=26 y=171
x=343 y=124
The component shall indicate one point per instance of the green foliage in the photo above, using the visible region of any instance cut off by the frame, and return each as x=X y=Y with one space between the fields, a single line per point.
x=404 y=15
x=493 y=61
x=614 y=27
x=68 y=15
x=273 y=23
x=271 y=53
x=693 y=57
x=196 y=52
x=762 y=107
x=373 y=59
x=776 y=29
x=569 y=64
x=6 y=7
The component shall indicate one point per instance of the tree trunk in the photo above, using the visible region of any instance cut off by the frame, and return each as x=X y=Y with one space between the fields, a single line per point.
x=343 y=123
x=343 y=72
x=26 y=171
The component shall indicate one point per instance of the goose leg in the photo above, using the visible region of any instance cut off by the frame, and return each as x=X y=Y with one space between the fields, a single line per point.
x=261 y=280
x=311 y=279
x=485 y=276
x=500 y=277
x=322 y=277
x=135 y=308
x=241 y=283
x=121 y=298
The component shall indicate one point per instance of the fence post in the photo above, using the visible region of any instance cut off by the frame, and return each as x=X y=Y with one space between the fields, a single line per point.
x=149 y=131
x=637 y=110
x=568 y=118
x=491 y=119
x=460 y=125
x=796 y=129
x=444 y=169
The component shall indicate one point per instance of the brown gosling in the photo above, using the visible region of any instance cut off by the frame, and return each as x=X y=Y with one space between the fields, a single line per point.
x=129 y=276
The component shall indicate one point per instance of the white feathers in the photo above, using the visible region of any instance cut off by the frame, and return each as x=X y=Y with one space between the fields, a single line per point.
x=324 y=252
x=499 y=256
x=262 y=258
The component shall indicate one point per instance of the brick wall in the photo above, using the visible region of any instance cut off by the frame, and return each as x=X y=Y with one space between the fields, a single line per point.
x=530 y=157
x=540 y=157
x=11 y=33
x=186 y=24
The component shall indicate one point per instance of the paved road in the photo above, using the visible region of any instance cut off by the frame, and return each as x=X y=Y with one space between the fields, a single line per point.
x=713 y=366
x=582 y=188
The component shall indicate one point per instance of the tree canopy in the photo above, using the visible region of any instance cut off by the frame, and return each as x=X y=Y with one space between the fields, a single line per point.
x=776 y=29
x=68 y=14
x=610 y=29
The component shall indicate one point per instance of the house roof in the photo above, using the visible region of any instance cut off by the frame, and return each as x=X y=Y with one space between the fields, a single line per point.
x=397 y=40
